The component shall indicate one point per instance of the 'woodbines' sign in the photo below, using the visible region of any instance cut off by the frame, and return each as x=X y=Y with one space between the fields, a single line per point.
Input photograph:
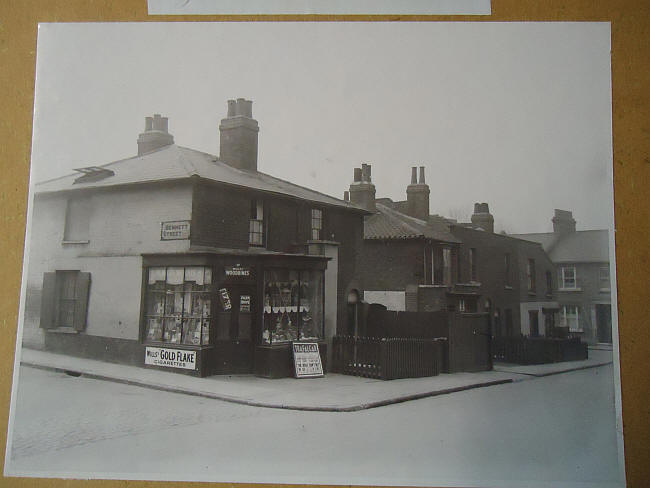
x=170 y=358
x=175 y=230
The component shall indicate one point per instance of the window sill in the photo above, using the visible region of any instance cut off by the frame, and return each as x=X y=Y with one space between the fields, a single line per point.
x=75 y=242
x=323 y=241
x=507 y=287
x=569 y=289
x=63 y=330
x=473 y=284
x=605 y=290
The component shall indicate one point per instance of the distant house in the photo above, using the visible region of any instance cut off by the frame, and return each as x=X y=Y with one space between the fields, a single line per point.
x=180 y=259
x=414 y=261
x=581 y=259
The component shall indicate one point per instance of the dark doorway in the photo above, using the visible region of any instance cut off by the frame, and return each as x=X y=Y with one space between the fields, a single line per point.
x=236 y=326
x=604 y=323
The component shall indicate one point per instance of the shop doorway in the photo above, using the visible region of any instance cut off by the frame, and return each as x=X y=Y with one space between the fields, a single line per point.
x=236 y=327
x=604 y=323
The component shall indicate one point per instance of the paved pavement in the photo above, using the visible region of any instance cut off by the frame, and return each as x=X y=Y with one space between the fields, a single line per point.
x=334 y=392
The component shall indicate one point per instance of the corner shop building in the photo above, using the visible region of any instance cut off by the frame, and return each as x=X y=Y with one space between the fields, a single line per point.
x=181 y=260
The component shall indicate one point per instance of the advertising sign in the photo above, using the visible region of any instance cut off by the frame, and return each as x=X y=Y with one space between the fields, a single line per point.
x=306 y=360
x=245 y=303
x=224 y=296
x=170 y=358
x=238 y=271
x=175 y=230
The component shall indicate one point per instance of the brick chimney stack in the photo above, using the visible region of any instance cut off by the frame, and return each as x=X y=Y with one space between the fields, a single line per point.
x=482 y=217
x=362 y=190
x=417 y=195
x=238 y=136
x=155 y=134
x=563 y=222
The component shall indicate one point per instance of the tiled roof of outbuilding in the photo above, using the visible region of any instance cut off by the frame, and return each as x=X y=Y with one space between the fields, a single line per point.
x=583 y=246
x=175 y=162
x=388 y=223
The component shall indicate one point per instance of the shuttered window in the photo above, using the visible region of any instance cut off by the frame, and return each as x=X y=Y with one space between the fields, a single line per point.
x=64 y=300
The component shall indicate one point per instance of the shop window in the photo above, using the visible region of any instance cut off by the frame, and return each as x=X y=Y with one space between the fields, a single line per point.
x=568 y=277
x=293 y=305
x=316 y=224
x=530 y=272
x=178 y=305
x=472 y=265
x=569 y=317
x=461 y=305
x=77 y=220
x=603 y=278
x=64 y=302
x=256 y=228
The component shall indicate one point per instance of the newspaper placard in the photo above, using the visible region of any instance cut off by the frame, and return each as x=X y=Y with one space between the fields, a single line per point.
x=170 y=358
x=306 y=360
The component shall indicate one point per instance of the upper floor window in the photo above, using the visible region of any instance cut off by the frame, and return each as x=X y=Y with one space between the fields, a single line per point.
x=568 y=277
x=530 y=271
x=603 y=277
x=316 y=224
x=77 y=220
x=256 y=228
x=441 y=271
x=472 y=265
x=508 y=265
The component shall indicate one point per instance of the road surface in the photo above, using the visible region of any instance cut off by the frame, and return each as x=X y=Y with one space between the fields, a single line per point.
x=555 y=429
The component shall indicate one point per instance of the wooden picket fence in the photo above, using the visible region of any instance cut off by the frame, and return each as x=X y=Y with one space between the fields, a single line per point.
x=538 y=350
x=388 y=358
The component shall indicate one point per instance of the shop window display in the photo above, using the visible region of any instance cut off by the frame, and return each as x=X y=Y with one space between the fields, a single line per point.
x=293 y=305
x=178 y=307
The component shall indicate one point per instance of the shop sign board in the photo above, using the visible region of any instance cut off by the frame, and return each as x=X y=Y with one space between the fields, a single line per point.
x=306 y=360
x=175 y=230
x=170 y=358
x=238 y=272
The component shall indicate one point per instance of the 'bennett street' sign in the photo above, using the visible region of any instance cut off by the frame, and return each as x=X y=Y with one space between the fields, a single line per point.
x=306 y=360
x=170 y=358
x=175 y=230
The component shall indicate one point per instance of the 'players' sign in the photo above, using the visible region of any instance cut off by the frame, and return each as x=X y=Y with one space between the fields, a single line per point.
x=306 y=359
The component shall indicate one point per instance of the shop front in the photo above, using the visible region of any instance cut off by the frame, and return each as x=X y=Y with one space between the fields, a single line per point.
x=206 y=314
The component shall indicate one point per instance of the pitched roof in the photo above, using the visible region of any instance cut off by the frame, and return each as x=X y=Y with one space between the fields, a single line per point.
x=583 y=246
x=175 y=162
x=388 y=223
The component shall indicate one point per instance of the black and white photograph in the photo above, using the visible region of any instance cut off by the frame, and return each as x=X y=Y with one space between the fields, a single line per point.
x=354 y=253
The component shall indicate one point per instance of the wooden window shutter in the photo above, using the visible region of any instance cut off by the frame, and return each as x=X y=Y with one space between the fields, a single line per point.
x=48 y=301
x=81 y=301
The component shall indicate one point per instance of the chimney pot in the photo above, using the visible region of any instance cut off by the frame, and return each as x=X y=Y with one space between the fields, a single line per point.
x=231 y=108
x=414 y=175
x=477 y=208
x=421 y=175
x=148 y=123
x=357 y=175
x=346 y=195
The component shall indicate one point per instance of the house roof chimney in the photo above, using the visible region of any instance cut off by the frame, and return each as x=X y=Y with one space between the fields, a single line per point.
x=563 y=222
x=417 y=195
x=482 y=217
x=238 y=136
x=155 y=135
x=362 y=190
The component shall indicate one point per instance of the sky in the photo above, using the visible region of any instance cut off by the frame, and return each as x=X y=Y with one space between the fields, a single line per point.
x=517 y=115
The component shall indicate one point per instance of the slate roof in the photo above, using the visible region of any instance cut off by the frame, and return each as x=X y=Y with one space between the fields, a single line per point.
x=175 y=162
x=388 y=223
x=583 y=246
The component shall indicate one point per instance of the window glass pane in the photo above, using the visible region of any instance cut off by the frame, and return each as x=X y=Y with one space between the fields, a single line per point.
x=178 y=305
x=281 y=307
x=311 y=305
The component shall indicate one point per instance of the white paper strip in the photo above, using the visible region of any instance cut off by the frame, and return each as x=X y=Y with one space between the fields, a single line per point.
x=343 y=7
